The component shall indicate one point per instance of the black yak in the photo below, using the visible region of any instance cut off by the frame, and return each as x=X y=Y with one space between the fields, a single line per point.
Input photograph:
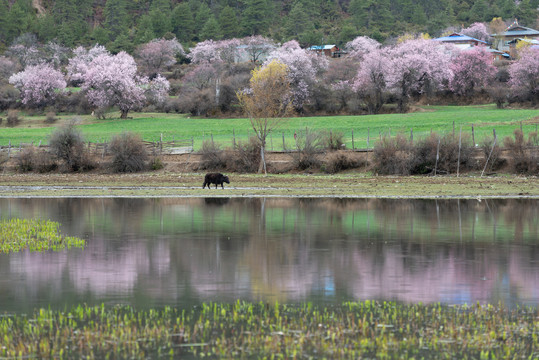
x=215 y=178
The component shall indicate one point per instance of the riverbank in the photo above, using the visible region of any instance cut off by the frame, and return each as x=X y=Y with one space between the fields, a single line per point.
x=353 y=184
x=383 y=330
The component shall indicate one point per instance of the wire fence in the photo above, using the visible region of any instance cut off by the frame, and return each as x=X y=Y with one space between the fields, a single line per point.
x=287 y=141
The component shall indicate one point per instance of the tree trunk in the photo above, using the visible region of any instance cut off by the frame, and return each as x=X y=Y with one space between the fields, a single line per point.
x=124 y=114
x=262 y=159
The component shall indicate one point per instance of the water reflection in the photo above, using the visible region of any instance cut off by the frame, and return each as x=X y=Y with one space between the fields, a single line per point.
x=150 y=252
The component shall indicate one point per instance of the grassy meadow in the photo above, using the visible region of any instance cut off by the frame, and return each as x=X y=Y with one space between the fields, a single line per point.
x=151 y=126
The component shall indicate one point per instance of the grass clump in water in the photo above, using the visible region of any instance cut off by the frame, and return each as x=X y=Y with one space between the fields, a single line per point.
x=381 y=330
x=34 y=235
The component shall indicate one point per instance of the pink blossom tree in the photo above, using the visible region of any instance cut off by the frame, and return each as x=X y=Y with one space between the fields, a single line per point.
x=39 y=84
x=111 y=80
x=209 y=51
x=257 y=46
x=201 y=77
x=524 y=75
x=478 y=31
x=303 y=69
x=361 y=46
x=370 y=82
x=416 y=66
x=154 y=56
x=78 y=64
x=472 y=69
x=157 y=91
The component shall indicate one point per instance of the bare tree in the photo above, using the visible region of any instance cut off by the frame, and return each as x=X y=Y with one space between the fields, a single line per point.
x=267 y=102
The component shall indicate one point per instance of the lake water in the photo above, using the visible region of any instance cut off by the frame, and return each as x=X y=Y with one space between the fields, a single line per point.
x=180 y=252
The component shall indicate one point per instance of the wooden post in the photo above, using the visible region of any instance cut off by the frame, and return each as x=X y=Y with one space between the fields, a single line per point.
x=352 y=139
x=284 y=147
x=271 y=141
x=172 y=140
x=411 y=135
x=486 y=163
x=437 y=156
x=521 y=127
x=368 y=137
x=211 y=135
x=473 y=137
x=234 y=137
x=192 y=144
x=460 y=145
x=9 y=149
x=453 y=128
x=494 y=133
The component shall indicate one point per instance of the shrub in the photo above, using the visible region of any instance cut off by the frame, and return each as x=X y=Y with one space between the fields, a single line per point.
x=308 y=145
x=212 y=156
x=128 y=153
x=245 y=157
x=495 y=161
x=156 y=163
x=522 y=160
x=25 y=160
x=393 y=156
x=8 y=96
x=44 y=162
x=333 y=140
x=67 y=144
x=448 y=156
x=50 y=117
x=13 y=118
x=339 y=161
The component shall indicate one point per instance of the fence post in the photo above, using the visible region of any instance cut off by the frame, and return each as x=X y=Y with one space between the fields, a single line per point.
x=460 y=145
x=453 y=128
x=284 y=147
x=172 y=140
x=473 y=137
x=271 y=141
x=411 y=135
x=233 y=137
x=521 y=127
x=9 y=150
x=368 y=137
x=491 y=150
x=437 y=156
x=352 y=139
x=192 y=144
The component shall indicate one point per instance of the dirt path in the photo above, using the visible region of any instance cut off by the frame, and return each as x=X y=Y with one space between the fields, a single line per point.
x=162 y=184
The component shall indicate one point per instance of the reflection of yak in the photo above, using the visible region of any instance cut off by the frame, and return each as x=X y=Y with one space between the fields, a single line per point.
x=215 y=178
x=216 y=201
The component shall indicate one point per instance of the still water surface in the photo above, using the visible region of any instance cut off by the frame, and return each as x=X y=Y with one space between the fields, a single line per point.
x=180 y=252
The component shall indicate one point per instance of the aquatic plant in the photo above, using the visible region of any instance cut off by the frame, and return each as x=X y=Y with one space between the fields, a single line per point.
x=370 y=329
x=34 y=235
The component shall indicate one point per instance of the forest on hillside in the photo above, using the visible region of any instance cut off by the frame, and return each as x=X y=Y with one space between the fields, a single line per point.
x=124 y=24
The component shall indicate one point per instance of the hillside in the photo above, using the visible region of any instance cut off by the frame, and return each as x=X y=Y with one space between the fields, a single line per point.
x=122 y=24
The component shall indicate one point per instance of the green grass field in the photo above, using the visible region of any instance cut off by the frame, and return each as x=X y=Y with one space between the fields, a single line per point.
x=150 y=126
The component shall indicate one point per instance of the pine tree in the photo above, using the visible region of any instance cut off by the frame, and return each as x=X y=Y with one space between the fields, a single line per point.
x=116 y=18
x=183 y=24
x=228 y=22
x=256 y=17
x=211 y=29
x=201 y=17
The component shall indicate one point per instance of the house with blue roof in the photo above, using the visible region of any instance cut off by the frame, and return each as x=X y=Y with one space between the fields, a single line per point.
x=515 y=31
x=461 y=41
x=328 y=50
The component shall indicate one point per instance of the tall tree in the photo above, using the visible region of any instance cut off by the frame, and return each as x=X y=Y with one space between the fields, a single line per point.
x=256 y=17
x=183 y=23
x=267 y=103
x=228 y=22
x=211 y=29
x=116 y=17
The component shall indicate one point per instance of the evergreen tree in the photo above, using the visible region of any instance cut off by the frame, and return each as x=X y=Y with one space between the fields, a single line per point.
x=144 y=30
x=70 y=17
x=183 y=24
x=161 y=17
x=201 y=17
x=46 y=28
x=4 y=11
x=116 y=18
x=228 y=22
x=297 y=22
x=99 y=35
x=526 y=14
x=256 y=17
x=211 y=29
x=19 y=20
x=479 y=11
